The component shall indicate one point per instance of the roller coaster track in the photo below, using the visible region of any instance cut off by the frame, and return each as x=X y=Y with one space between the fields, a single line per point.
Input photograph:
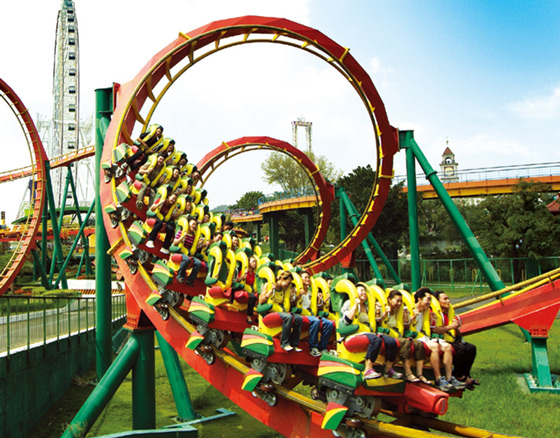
x=60 y=161
x=324 y=191
x=306 y=414
x=294 y=414
x=38 y=170
x=532 y=304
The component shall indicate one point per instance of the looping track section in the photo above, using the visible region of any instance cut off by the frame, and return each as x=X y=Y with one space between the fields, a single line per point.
x=138 y=99
x=38 y=155
x=136 y=102
x=323 y=190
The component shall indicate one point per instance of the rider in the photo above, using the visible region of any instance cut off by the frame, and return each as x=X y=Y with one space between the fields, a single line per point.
x=315 y=322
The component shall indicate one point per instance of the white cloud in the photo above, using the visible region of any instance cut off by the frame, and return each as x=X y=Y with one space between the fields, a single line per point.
x=541 y=107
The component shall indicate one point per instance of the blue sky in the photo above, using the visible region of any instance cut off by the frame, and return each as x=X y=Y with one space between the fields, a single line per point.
x=483 y=75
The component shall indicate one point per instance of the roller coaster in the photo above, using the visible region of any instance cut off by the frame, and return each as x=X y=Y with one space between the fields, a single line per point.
x=206 y=322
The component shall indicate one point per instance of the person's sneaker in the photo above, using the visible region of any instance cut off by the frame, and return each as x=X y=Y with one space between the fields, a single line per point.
x=139 y=205
x=315 y=352
x=287 y=347
x=456 y=384
x=393 y=374
x=150 y=244
x=164 y=251
x=371 y=374
x=180 y=279
x=297 y=349
x=443 y=384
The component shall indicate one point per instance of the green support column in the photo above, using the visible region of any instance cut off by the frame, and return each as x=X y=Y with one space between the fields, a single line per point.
x=74 y=244
x=416 y=276
x=62 y=211
x=349 y=210
x=83 y=236
x=349 y=205
x=407 y=141
x=176 y=381
x=57 y=253
x=308 y=224
x=492 y=278
x=103 y=105
x=273 y=234
x=41 y=269
x=259 y=236
x=541 y=367
x=144 y=383
x=343 y=222
x=104 y=390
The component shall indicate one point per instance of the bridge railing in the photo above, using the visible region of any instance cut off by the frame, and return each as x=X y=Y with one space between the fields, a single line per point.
x=289 y=194
x=30 y=321
x=495 y=173
x=240 y=212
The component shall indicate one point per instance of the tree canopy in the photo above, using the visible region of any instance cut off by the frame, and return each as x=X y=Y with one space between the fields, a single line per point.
x=248 y=201
x=285 y=171
x=518 y=225
x=391 y=228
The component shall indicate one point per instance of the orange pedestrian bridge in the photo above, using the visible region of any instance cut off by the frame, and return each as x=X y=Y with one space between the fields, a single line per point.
x=492 y=180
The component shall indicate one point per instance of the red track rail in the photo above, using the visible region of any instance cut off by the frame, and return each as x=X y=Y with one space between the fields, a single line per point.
x=63 y=160
x=326 y=190
x=27 y=241
x=534 y=310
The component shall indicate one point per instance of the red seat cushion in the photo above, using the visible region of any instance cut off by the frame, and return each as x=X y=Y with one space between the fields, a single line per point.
x=356 y=344
x=241 y=297
x=176 y=258
x=216 y=292
x=272 y=320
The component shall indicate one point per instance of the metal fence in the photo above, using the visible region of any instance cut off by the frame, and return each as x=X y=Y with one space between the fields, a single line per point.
x=29 y=321
x=452 y=273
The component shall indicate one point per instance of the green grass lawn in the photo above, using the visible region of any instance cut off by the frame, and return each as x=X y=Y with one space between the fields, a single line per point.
x=499 y=404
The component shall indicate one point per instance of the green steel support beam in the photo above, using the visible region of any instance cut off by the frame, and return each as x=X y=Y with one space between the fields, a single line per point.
x=416 y=276
x=274 y=231
x=541 y=367
x=354 y=214
x=73 y=247
x=492 y=278
x=63 y=204
x=144 y=383
x=541 y=379
x=390 y=270
x=39 y=266
x=308 y=224
x=57 y=253
x=259 y=236
x=343 y=224
x=104 y=110
x=176 y=381
x=104 y=390
x=350 y=211
x=407 y=141
x=85 y=242
x=44 y=225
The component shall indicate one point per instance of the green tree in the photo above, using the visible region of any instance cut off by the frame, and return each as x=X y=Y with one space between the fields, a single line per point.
x=518 y=225
x=391 y=228
x=435 y=225
x=248 y=201
x=285 y=171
